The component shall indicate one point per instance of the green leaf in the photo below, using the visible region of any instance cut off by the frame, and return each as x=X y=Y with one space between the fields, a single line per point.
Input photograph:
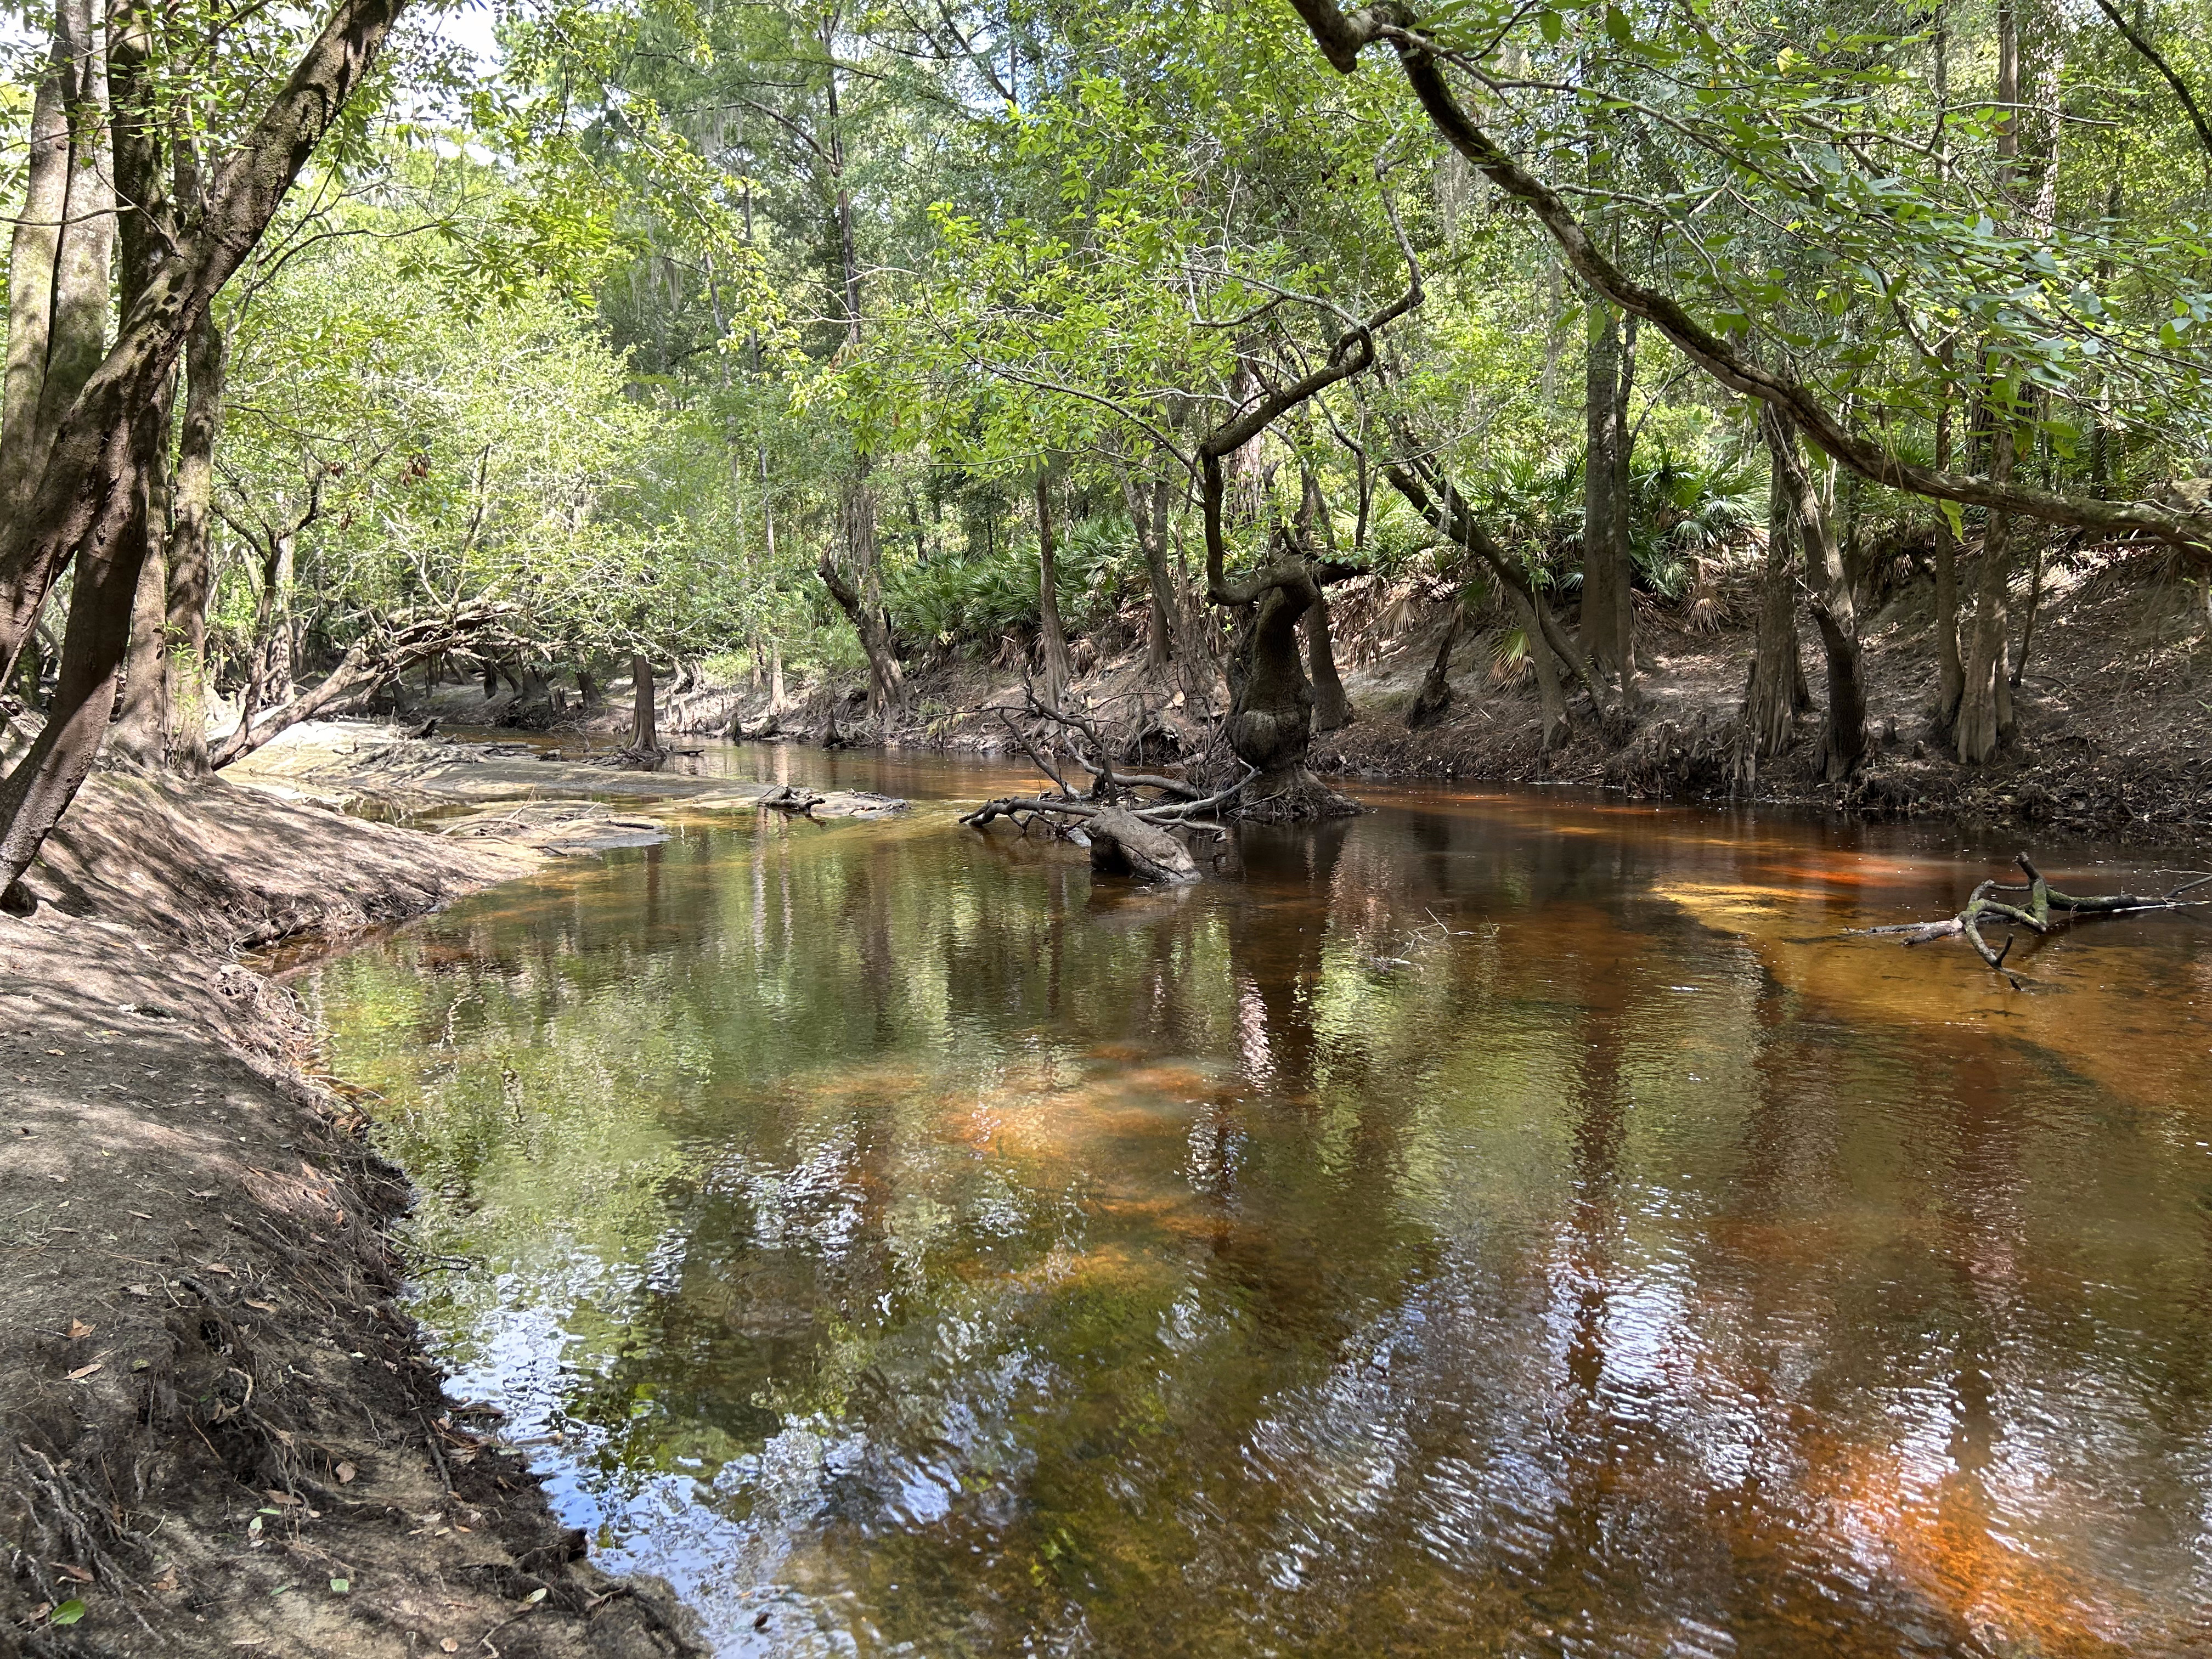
x=1955 y=516
x=1616 y=25
x=341 y=1585
x=1552 y=27
x=68 y=1614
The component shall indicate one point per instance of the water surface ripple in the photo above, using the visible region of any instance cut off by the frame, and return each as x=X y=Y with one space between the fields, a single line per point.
x=1502 y=1223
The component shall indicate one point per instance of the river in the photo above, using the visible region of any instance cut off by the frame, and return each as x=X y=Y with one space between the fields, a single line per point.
x=1510 y=1222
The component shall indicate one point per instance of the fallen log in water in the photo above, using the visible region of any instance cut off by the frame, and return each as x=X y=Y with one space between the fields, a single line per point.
x=2046 y=908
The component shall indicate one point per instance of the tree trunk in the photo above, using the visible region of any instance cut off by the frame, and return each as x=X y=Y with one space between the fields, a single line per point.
x=191 y=553
x=1551 y=695
x=140 y=736
x=1056 y=675
x=86 y=491
x=1148 y=513
x=868 y=622
x=1608 y=610
x=1770 y=705
x=644 y=738
x=1332 y=710
x=1435 y=695
x=69 y=331
x=2034 y=608
x=80 y=310
x=1122 y=843
x=1270 y=724
x=1835 y=613
x=33 y=254
x=1985 y=703
x=35 y=795
x=354 y=677
x=775 y=698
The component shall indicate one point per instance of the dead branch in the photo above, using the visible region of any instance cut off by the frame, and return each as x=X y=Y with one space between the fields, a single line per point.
x=2045 y=910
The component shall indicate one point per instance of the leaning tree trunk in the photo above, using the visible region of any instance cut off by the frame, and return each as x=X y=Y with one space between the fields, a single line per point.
x=1056 y=674
x=644 y=738
x=1770 y=705
x=62 y=335
x=1835 y=612
x=1332 y=710
x=86 y=490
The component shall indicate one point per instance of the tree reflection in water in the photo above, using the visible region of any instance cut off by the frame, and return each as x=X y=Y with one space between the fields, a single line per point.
x=917 y=1242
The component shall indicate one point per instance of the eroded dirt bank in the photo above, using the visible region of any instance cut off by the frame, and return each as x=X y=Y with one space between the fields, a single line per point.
x=222 y=1435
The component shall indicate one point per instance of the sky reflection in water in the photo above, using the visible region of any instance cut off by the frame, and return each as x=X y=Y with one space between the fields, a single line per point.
x=1501 y=1223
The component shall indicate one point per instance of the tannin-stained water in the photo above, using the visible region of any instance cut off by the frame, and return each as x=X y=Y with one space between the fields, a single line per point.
x=1503 y=1223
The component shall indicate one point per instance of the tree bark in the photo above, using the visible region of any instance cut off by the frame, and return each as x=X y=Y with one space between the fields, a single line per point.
x=1770 y=705
x=79 y=315
x=644 y=738
x=190 y=552
x=1270 y=722
x=1950 y=670
x=868 y=622
x=1148 y=513
x=1608 y=625
x=1122 y=843
x=140 y=736
x=1056 y=675
x=1435 y=694
x=1835 y=612
x=144 y=231
x=86 y=491
x=1985 y=703
x=33 y=254
x=1332 y=710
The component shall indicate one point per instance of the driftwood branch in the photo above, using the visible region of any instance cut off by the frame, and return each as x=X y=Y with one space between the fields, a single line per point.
x=2044 y=910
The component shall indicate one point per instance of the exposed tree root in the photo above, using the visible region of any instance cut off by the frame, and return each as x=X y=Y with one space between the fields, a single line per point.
x=2045 y=910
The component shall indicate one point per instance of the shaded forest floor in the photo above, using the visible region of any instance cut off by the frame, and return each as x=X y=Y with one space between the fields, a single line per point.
x=222 y=1434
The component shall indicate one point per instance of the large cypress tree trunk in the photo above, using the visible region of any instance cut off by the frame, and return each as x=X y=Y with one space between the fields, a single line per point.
x=1270 y=724
x=1056 y=674
x=191 y=552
